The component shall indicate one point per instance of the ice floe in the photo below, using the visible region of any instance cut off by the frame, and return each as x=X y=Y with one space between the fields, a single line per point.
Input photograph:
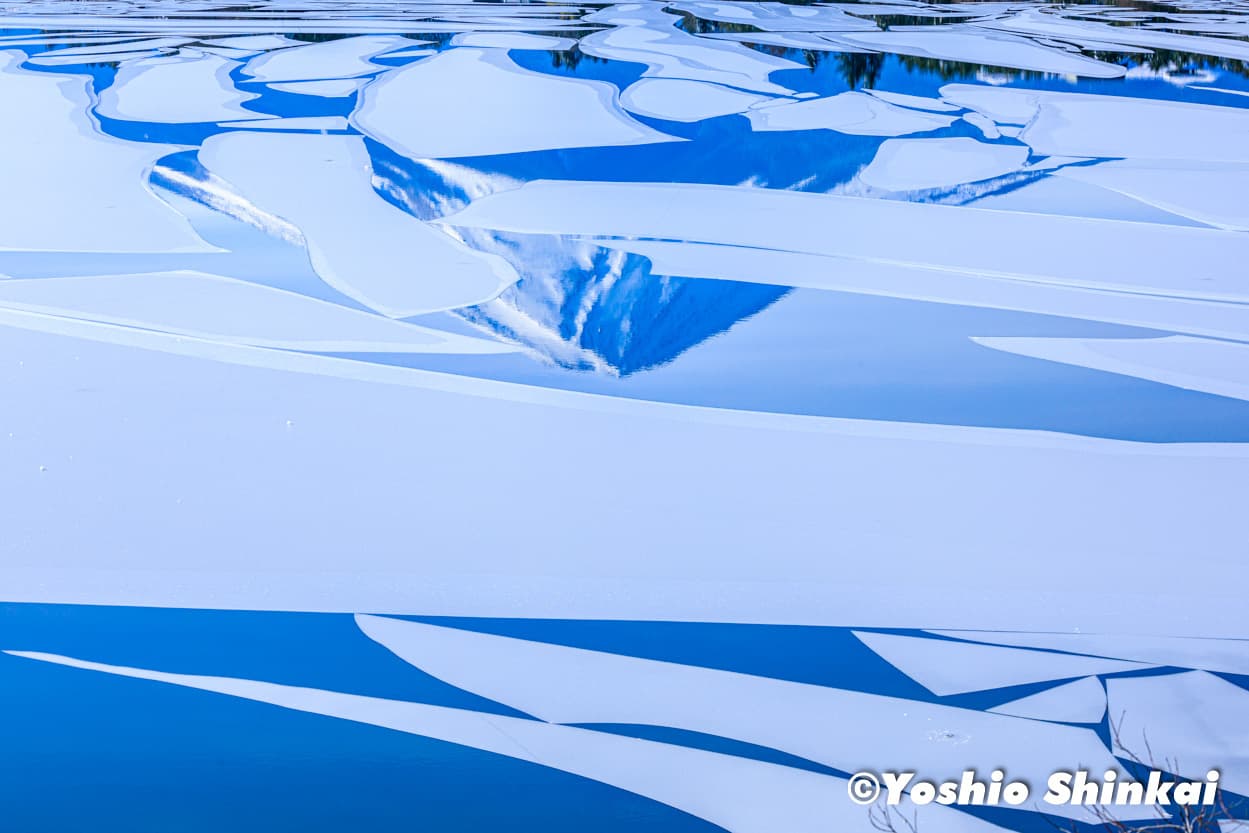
x=917 y=164
x=419 y=111
x=189 y=87
x=70 y=188
x=648 y=36
x=512 y=40
x=984 y=124
x=1001 y=104
x=1218 y=367
x=1227 y=655
x=359 y=243
x=945 y=667
x=1078 y=124
x=740 y=795
x=852 y=112
x=789 y=40
x=317 y=123
x=846 y=730
x=1083 y=701
x=224 y=309
x=675 y=99
x=778 y=17
x=342 y=58
x=1192 y=722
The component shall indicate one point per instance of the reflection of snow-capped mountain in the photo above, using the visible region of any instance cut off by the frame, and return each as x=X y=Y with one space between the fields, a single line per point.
x=577 y=304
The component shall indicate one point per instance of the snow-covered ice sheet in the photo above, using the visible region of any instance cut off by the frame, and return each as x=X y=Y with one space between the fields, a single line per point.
x=359 y=243
x=916 y=164
x=420 y=111
x=1218 y=367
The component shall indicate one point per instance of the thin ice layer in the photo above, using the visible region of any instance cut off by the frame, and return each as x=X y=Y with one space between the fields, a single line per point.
x=852 y=112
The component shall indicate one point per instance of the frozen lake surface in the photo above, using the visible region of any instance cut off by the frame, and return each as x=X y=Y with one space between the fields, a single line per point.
x=576 y=417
